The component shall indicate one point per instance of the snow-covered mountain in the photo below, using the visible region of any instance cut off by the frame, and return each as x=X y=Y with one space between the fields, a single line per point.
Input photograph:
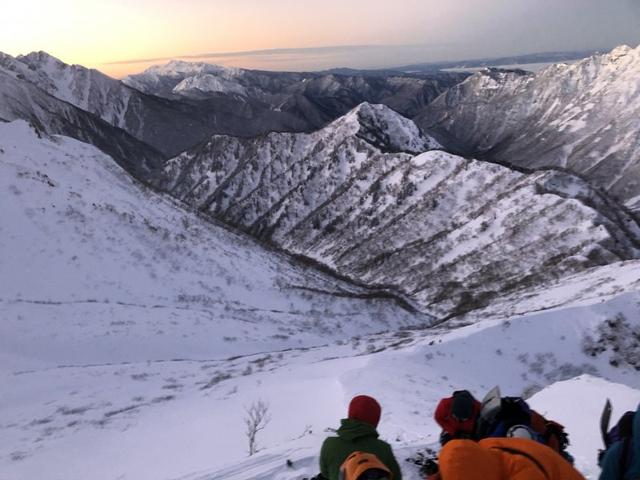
x=203 y=99
x=582 y=117
x=169 y=126
x=22 y=100
x=87 y=89
x=360 y=197
x=142 y=266
x=319 y=97
x=179 y=76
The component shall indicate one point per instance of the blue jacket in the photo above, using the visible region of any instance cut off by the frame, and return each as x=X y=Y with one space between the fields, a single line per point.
x=612 y=462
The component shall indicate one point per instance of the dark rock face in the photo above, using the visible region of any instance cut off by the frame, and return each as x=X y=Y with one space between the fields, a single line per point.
x=581 y=117
x=358 y=196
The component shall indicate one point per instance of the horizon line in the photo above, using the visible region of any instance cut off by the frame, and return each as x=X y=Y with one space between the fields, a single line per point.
x=338 y=49
x=276 y=51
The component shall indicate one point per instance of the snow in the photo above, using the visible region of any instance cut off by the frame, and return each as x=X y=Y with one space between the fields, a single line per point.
x=134 y=332
x=119 y=301
x=536 y=352
x=76 y=231
x=402 y=134
x=209 y=83
x=84 y=88
x=117 y=366
x=582 y=117
x=180 y=67
x=186 y=76
x=579 y=402
x=424 y=224
x=574 y=290
x=633 y=203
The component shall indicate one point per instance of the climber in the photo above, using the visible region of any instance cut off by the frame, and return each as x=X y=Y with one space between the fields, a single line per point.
x=457 y=416
x=503 y=459
x=357 y=433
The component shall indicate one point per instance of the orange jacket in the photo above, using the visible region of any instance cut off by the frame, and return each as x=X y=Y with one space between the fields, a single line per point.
x=503 y=459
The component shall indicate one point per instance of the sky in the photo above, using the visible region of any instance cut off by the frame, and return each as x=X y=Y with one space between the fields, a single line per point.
x=121 y=37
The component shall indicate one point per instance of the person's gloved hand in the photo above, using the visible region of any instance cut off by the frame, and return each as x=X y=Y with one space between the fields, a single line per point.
x=430 y=467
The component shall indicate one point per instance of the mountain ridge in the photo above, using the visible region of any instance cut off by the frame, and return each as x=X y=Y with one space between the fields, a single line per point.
x=391 y=216
x=580 y=117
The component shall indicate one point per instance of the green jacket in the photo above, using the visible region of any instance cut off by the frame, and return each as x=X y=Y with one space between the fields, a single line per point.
x=354 y=435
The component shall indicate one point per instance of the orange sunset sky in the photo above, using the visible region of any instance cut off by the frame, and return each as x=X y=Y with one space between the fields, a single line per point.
x=373 y=33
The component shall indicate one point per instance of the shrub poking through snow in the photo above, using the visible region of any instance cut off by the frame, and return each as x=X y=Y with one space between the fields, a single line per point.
x=257 y=418
x=618 y=337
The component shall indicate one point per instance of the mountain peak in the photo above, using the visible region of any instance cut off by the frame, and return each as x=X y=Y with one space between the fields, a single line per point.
x=621 y=50
x=386 y=129
x=210 y=82
x=41 y=58
x=183 y=68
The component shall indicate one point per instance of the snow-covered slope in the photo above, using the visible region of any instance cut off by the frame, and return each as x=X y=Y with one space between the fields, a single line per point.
x=99 y=275
x=125 y=273
x=133 y=334
x=184 y=419
x=452 y=233
x=574 y=290
x=583 y=117
x=541 y=355
x=209 y=83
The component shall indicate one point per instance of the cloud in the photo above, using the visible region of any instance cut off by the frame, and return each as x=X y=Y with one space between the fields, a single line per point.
x=265 y=52
x=303 y=59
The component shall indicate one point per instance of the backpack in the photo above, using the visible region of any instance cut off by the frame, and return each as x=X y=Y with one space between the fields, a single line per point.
x=552 y=434
x=502 y=414
x=512 y=411
x=364 y=466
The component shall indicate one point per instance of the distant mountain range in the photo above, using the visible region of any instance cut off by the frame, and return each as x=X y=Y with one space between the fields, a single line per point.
x=514 y=60
x=175 y=106
x=316 y=97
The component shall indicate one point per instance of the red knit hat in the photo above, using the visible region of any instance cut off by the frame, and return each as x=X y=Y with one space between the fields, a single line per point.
x=366 y=409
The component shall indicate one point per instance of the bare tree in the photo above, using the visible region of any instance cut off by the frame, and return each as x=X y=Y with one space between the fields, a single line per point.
x=257 y=418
